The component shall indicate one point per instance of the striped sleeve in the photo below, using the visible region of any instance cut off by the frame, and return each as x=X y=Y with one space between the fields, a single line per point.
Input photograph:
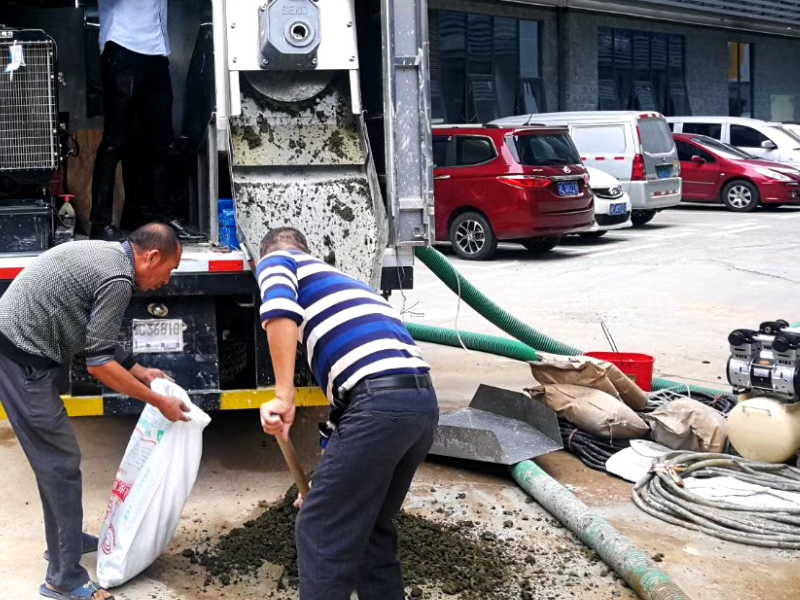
x=277 y=279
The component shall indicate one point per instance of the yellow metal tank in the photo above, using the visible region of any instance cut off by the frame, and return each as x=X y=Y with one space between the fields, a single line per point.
x=765 y=429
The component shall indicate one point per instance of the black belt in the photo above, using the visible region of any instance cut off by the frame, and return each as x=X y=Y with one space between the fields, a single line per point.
x=390 y=382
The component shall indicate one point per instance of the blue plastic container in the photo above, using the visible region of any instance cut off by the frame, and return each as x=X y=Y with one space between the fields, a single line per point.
x=227 y=224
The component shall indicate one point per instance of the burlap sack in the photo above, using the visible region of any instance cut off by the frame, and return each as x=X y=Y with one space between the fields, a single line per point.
x=688 y=425
x=591 y=410
x=590 y=372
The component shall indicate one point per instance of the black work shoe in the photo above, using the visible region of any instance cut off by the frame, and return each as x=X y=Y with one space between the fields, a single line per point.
x=186 y=232
x=88 y=544
x=109 y=233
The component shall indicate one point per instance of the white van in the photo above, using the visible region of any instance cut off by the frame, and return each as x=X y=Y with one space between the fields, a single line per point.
x=764 y=139
x=635 y=147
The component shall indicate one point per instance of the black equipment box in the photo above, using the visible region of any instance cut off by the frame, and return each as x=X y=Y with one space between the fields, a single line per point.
x=26 y=227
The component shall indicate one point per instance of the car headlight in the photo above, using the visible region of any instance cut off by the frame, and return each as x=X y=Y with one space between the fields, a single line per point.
x=772 y=174
x=615 y=191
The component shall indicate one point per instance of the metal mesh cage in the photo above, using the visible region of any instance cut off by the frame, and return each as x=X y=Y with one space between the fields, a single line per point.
x=28 y=109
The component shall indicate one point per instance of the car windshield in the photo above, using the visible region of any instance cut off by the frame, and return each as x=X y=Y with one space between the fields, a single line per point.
x=791 y=132
x=549 y=149
x=722 y=149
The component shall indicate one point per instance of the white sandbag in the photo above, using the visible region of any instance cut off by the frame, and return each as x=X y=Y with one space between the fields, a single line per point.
x=152 y=485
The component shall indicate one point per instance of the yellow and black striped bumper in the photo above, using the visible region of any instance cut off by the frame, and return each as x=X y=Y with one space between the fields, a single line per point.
x=95 y=406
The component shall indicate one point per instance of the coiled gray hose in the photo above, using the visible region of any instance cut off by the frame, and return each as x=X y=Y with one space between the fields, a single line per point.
x=661 y=495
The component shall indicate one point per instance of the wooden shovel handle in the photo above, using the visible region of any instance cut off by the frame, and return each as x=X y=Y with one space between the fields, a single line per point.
x=289 y=454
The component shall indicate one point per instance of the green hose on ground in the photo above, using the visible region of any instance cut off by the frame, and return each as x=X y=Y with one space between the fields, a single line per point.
x=633 y=565
x=473 y=341
x=441 y=267
x=449 y=275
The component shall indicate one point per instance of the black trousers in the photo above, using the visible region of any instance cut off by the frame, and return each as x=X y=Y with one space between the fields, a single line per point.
x=36 y=412
x=345 y=536
x=137 y=130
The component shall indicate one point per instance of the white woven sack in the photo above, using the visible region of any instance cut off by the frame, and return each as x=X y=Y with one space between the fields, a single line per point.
x=152 y=485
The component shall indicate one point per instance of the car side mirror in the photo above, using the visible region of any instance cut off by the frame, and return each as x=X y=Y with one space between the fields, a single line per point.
x=768 y=145
x=699 y=160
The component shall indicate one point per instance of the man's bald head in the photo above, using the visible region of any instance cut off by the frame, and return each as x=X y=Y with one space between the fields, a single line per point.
x=156 y=236
x=282 y=238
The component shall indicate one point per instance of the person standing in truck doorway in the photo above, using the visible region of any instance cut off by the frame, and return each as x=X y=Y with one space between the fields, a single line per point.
x=384 y=411
x=137 y=97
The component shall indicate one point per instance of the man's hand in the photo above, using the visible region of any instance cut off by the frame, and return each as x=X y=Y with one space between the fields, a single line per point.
x=298 y=502
x=146 y=375
x=172 y=408
x=277 y=415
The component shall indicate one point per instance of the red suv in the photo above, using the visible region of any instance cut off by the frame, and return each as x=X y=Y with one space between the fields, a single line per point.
x=510 y=184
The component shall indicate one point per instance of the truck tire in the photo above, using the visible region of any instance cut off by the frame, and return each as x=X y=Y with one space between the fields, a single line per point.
x=541 y=244
x=740 y=196
x=642 y=217
x=472 y=236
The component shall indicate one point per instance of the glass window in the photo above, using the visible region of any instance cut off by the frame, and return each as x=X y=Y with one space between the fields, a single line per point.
x=655 y=135
x=553 y=149
x=713 y=130
x=740 y=86
x=684 y=150
x=473 y=150
x=483 y=66
x=443 y=151
x=724 y=150
x=641 y=70
x=601 y=139
x=746 y=137
x=687 y=151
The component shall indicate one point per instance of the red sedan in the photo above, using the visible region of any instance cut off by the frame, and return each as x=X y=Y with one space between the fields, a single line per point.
x=717 y=172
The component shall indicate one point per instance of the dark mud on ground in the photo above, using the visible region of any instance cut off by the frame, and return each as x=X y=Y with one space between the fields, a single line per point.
x=473 y=559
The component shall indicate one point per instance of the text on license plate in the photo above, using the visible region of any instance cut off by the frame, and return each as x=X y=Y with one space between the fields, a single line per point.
x=568 y=188
x=617 y=209
x=157 y=335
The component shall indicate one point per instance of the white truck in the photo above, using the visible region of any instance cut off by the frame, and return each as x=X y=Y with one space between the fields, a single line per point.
x=307 y=113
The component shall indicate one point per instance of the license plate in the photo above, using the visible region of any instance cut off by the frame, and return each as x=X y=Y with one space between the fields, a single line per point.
x=568 y=188
x=157 y=335
x=664 y=171
x=617 y=209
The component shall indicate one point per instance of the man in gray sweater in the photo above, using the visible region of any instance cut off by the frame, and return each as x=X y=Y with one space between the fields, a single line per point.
x=73 y=298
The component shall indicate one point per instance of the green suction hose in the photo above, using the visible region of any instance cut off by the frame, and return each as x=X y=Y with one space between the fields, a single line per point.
x=442 y=268
x=473 y=341
x=449 y=275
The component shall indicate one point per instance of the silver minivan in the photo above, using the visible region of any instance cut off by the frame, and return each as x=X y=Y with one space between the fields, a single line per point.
x=635 y=147
x=763 y=139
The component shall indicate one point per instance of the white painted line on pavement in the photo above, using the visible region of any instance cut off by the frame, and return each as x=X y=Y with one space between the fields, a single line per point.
x=674 y=236
x=735 y=231
x=741 y=224
x=636 y=248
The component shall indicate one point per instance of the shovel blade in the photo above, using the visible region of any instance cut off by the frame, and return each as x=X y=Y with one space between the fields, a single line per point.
x=500 y=426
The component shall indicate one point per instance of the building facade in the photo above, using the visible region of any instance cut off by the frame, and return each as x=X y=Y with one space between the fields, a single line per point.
x=492 y=58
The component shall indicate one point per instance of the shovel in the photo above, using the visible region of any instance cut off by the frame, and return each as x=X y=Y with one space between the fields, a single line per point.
x=286 y=446
x=499 y=426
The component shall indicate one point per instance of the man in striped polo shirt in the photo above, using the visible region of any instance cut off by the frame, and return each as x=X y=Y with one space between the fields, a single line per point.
x=384 y=410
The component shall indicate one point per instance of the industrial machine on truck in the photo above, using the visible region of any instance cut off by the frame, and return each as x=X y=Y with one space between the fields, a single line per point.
x=311 y=113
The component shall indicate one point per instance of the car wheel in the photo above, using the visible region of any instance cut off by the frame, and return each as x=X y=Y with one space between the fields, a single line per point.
x=540 y=245
x=593 y=235
x=740 y=196
x=472 y=236
x=642 y=217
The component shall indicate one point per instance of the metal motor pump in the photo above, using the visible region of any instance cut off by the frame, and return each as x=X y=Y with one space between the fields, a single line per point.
x=764 y=368
x=766 y=361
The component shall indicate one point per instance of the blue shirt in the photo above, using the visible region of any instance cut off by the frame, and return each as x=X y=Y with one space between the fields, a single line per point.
x=347 y=330
x=138 y=25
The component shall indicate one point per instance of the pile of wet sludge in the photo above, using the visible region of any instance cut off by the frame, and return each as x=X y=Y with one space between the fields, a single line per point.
x=457 y=557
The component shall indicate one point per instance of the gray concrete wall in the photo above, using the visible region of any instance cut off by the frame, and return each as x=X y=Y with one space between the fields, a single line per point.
x=774 y=66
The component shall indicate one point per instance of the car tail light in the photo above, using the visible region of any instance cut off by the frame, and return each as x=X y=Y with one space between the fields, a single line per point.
x=637 y=173
x=524 y=182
